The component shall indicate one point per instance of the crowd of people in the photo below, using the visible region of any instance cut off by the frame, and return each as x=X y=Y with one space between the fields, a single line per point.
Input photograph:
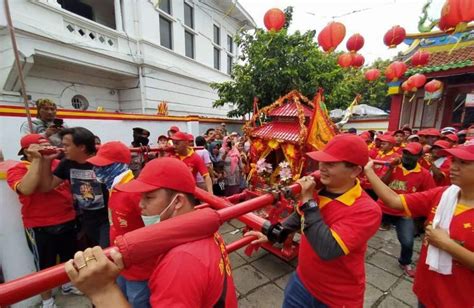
x=87 y=194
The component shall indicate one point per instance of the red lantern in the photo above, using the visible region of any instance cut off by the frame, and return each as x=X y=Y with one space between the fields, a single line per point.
x=456 y=14
x=406 y=86
x=357 y=60
x=420 y=58
x=395 y=70
x=345 y=60
x=355 y=42
x=372 y=74
x=331 y=36
x=394 y=36
x=416 y=81
x=274 y=19
x=433 y=86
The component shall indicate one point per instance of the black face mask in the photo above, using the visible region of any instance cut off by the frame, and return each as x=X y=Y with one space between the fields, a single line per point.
x=409 y=161
x=140 y=141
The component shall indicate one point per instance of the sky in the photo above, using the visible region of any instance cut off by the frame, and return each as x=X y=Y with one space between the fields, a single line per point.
x=372 y=18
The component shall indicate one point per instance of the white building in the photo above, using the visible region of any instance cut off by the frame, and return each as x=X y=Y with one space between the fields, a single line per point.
x=122 y=55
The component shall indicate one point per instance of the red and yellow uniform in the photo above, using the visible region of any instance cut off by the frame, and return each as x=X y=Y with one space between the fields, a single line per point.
x=195 y=163
x=434 y=289
x=380 y=170
x=399 y=149
x=352 y=218
x=405 y=181
x=444 y=166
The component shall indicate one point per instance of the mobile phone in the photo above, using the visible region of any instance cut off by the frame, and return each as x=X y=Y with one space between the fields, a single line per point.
x=58 y=122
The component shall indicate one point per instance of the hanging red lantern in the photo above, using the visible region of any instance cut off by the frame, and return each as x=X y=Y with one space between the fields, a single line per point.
x=357 y=60
x=406 y=86
x=433 y=86
x=355 y=42
x=274 y=19
x=456 y=14
x=420 y=58
x=372 y=74
x=395 y=70
x=416 y=81
x=394 y=36
x=331 y=36
x=345 y=60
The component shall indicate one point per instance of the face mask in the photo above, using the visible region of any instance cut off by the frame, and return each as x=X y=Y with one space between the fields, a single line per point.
x=154 y=219
x=409 y=161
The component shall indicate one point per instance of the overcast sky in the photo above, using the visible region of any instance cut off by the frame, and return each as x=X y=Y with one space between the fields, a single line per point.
x=372 y=19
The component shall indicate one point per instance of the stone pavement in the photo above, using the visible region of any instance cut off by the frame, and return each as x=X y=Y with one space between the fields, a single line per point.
x=261 y=279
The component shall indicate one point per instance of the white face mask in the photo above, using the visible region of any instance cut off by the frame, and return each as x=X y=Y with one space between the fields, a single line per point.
x=154 y=219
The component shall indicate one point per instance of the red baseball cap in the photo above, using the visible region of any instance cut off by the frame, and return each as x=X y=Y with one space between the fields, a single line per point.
x=346 y=147
x=464 y=152
x=174 y=129
x=190 y=137
x=111 y=152
x=414 y=148
x=166 y=172
x=429 y=132
x=452 y=137
x=30 y=139
x=387 y=138
x=180 y=136
x=442 y=144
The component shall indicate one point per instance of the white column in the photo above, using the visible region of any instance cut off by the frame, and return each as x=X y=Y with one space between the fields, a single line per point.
x=118 y=16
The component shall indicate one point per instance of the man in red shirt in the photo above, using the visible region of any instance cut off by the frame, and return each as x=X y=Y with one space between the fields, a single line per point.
x=409 y=177
x=48 y=218
x=194 y=162
x=441 y=163
x=386 y=153
x=195 y=274
x=448 y=283
x=399 y=137
x=111 y=166
x=336 y=223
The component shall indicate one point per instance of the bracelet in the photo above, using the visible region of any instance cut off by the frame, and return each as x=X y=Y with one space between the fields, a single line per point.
x=310 y=204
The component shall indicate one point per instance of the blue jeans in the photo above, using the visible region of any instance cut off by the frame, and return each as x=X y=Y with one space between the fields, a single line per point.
x=136 y=292
x=405 y=232
x=296 y=295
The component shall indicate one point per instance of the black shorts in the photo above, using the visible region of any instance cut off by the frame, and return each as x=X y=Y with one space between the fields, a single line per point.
x=47 y=243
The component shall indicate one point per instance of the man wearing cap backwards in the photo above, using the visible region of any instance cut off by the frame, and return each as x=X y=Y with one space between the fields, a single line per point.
x=445 y=271
x=195 y=163
x=336 y=223
x=48 y=217
x=111 y=166
x=441 y=163
x=409 y=177
x=195 y=274
x=89 y=196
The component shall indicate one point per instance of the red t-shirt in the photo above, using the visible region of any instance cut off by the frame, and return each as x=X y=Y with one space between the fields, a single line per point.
x=192 y=275
x=380 y=170
x=195 y=163
x=353 y=219
x=445 y=169
x=125 y=216
x=431 y=288
x=407 y=181
x=42 y=209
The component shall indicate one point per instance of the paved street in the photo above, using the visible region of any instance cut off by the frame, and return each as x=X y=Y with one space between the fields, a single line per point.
x=261 y=279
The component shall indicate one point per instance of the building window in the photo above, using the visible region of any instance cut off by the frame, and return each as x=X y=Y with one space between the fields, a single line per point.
x=230 y=59
x=217 y=58
x=79 y=102
x=165 y=33
x=230 y=44
x=217 y=35
x=188 y=15
x=165 y=6
x=189 y=44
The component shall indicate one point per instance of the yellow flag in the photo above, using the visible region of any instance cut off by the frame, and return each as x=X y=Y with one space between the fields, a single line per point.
x=321 y=129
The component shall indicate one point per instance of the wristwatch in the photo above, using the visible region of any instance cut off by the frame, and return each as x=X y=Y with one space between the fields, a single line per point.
x=310 y=204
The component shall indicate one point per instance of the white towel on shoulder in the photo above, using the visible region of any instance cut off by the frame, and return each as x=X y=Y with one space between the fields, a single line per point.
x=439 y=260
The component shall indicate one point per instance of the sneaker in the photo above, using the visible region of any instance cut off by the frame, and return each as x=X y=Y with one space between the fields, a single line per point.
x=50 y=303
x=70 y=289
x=409 y=270
x=385 y=227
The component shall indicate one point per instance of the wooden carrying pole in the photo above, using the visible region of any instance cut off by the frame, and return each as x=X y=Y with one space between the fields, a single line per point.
x=18 y=64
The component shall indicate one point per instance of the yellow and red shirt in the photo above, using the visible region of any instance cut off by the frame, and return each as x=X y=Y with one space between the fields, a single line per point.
x=42 y=209
x=431 y=288
x=445 y=168
x=353 y=219
x=405 y=181
x=195 y=163
x=380 y=170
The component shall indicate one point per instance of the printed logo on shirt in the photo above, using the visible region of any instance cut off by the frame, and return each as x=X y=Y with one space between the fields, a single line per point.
x=398 y=185
x=86 y=190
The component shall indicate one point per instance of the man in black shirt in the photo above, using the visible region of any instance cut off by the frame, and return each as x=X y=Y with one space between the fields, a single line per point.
x=89 y=196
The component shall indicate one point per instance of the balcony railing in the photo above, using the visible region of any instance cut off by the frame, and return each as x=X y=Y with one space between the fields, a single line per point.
x=89 y=35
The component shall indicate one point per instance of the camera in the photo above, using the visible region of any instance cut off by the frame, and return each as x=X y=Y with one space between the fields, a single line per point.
x=58 y=122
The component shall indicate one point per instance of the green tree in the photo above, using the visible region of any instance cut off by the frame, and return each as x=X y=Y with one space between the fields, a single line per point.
x=274 y=63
